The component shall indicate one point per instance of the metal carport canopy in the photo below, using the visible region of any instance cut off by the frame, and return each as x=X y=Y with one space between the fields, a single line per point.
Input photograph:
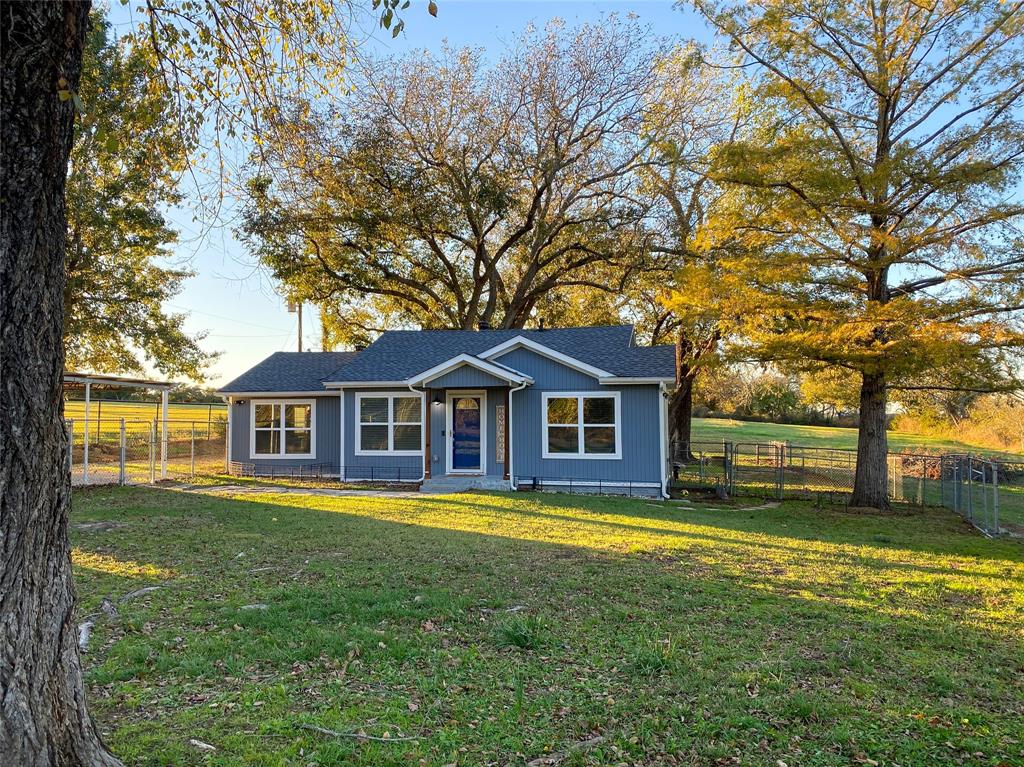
x=103 y=379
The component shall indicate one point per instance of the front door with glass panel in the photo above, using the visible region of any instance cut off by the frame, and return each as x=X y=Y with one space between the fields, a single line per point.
x=465 y=435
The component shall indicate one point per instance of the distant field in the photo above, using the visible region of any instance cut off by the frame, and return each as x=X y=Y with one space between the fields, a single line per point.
x=112 y=411
x=718 y=429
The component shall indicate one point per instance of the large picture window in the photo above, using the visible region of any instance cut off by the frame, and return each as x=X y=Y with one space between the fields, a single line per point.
x=283 y=429
x=581 y=425
x=389 y=423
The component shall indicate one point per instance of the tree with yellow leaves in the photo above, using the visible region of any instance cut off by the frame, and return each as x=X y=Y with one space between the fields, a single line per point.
x=879 y=209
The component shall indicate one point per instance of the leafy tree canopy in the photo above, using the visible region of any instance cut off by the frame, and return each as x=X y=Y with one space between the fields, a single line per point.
x=446 y=192
x=880 y=207
x=126 y=160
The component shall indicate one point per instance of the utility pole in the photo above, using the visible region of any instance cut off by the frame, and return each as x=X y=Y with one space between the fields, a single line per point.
x=293 y=308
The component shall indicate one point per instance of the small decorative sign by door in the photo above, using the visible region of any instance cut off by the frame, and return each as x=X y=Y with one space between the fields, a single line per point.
x=499 y=434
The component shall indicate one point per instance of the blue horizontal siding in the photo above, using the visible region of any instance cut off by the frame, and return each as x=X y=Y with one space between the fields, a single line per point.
x=327 y=434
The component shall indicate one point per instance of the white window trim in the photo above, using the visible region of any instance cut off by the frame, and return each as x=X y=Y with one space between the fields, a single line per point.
x=579 y=396
x=449 y=430
x=253 y=455
x=390 y=423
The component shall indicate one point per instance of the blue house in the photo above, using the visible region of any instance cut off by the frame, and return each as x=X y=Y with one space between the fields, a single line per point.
x=584 y=408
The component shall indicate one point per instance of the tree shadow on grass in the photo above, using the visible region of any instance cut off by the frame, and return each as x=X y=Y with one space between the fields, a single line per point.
x=762 y=561
x=422 y=597
x=888 y=555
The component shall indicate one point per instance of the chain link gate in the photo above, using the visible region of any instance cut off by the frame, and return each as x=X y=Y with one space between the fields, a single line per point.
x=970 y=487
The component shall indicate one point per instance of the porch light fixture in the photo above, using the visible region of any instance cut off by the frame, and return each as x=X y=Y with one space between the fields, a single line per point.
x=437 y=399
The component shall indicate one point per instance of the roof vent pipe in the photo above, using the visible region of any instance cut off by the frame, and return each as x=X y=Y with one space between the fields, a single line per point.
x=483 y=325
x=541 y=326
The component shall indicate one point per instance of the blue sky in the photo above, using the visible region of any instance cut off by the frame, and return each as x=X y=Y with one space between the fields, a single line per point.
x=230 y=299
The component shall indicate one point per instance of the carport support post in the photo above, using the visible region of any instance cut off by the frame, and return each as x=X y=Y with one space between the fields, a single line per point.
x=70 y=424
x=152 y=452
x=163 y=434
x=85 y=444
x=121 y=456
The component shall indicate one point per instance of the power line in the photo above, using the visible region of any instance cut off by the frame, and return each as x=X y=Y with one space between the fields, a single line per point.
x=223 y=317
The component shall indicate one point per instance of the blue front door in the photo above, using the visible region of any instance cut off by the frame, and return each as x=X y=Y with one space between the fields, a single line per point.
x=465 y=433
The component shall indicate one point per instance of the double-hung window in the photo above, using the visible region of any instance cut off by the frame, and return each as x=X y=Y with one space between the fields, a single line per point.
x=581 y=425
x=389 y=424
x=283 y=429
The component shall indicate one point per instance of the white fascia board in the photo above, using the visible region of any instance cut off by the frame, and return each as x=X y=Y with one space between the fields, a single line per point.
x=362 y=384
x=638 y=380
x=270 y=394
x=544 y=351
x=498 y=371
x=511 y=370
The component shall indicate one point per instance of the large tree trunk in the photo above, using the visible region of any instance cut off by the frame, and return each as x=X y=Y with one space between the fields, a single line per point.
x=680 y=412
x=43 y=716
x=870 y=483
x=680 y=406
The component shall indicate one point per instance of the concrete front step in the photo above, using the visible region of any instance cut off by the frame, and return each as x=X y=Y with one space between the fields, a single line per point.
x=449 y=483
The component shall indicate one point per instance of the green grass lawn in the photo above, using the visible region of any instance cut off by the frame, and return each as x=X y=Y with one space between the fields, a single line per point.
x=504 y=629
x=718 y=429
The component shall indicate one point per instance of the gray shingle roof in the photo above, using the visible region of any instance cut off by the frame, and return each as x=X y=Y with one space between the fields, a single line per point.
x=290 y=371
x=400 y=354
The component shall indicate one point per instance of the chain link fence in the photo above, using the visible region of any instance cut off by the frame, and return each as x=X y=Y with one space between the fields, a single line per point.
x=970 y=487
x=966 y=484
x=988 y=493
x=123 y=451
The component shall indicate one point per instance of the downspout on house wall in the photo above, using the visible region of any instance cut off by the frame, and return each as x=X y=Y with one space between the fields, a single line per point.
x=510 y=428
x=341 y=437
x=663 y=435
x=227 y=447
x=423 y=426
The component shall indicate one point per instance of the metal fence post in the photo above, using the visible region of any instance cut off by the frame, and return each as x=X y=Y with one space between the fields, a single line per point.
x=122 y=473
x=730 y=468
x=152 y=452
x=984 y=492
x=958 y=485
x=163 y=434
x=70 y=425
x=995 y=498
x=942 y=480
x=970 y=488
x=193 y=459
x=781 y=481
